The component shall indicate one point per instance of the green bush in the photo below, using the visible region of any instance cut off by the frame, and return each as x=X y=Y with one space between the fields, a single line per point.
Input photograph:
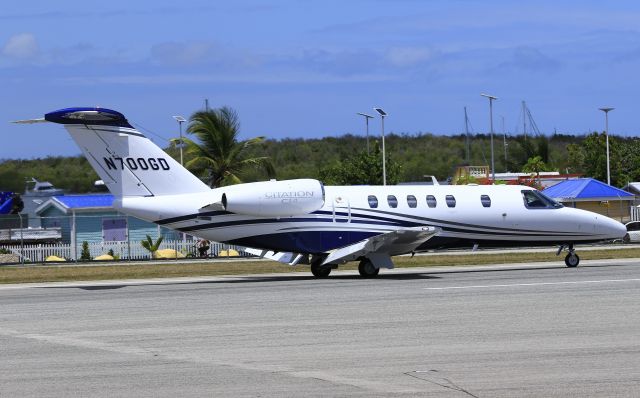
x=85 y=255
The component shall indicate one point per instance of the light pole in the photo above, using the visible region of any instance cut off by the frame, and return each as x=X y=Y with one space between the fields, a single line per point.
x=384 y=161
x=366 y=118
x=606 y=133
x=493 y=166
x=180 y=120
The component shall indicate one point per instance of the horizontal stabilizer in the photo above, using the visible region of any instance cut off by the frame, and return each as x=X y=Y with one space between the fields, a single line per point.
x=391 y=243
x=31 y=121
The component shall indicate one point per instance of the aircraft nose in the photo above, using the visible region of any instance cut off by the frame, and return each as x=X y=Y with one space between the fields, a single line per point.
x=610 y=227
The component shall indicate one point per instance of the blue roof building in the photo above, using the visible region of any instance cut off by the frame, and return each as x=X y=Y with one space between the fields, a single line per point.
x=593 y=195
x=581 y=189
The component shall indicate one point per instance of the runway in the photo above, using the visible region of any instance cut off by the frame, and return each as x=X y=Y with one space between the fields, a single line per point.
x=518 y=331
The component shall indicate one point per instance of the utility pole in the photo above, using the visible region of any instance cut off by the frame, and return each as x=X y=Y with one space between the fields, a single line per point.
x=606 y=133
x=180 y=120
x=366 y=118
x=491 y=98
x=504 y=136
x=382 y=114
x=466 y=132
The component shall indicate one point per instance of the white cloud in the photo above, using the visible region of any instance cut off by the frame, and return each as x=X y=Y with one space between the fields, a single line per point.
x=22 y=46
x=409 y=56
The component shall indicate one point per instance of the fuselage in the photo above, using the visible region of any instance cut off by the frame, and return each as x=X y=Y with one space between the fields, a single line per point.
x=496 y=215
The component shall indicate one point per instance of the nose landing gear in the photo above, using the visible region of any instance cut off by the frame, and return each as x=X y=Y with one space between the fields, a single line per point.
x=571 y=259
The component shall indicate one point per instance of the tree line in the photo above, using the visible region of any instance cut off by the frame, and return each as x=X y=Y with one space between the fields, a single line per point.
x=213 y=152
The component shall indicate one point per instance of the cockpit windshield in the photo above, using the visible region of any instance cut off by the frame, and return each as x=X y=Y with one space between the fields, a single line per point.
x=537 y=200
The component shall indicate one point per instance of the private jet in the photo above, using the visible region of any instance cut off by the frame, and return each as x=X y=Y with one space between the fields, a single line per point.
x=302 y=221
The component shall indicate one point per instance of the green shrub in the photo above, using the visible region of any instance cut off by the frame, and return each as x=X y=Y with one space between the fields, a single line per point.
x=85 y=255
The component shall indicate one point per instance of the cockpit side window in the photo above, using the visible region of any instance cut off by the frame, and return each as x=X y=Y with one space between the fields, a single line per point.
x=537 y=200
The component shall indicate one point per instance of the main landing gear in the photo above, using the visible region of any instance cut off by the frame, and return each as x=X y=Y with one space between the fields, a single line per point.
x=571 y=259
x=318 y=270
x=367 y=269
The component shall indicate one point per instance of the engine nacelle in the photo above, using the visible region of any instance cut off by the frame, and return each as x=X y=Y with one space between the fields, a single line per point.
x=274 y=198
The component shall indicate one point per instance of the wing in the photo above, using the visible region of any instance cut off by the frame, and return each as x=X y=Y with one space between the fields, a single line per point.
x=380 y=248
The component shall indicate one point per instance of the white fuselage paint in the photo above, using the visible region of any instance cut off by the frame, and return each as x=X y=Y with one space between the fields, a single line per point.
x=347 y=209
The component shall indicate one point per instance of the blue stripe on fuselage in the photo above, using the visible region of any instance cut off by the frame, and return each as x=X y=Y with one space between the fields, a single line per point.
x=312 y=242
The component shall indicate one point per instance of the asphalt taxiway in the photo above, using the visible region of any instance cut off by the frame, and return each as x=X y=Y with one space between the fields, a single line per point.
x=503 y=331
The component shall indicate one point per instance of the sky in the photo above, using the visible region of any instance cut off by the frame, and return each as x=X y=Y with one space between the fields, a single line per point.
x=305 y=68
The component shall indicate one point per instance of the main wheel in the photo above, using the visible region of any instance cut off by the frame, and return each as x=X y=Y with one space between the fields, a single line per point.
x=320 y=271
x=572 y=260
x=367 y=269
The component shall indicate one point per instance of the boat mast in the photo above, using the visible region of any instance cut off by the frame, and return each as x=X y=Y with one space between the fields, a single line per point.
x=524 y=119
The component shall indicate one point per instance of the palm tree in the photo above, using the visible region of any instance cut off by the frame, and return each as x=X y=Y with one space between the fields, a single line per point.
x=219 y=152
x=150 y=245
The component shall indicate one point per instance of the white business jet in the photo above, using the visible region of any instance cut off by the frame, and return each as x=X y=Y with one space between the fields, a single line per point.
x=304 y=222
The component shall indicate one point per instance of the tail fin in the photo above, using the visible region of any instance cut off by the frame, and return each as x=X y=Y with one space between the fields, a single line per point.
x=127 y=161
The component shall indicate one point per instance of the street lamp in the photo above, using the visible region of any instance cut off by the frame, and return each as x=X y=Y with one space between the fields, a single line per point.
x=606 y=133
x=384 y=164
x=493 y=166
x=366 y=118
x=180 y=120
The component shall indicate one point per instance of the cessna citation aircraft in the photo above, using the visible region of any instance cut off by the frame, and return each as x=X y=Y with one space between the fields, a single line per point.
x=304 y=222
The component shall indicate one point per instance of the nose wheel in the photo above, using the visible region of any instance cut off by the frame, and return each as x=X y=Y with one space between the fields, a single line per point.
x=571 y=260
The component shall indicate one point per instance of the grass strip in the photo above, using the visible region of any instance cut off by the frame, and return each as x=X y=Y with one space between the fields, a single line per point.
x=52 y=273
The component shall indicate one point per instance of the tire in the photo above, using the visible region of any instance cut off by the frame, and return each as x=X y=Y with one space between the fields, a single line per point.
x=367 y=269
x=572 y=260
x=320 y=271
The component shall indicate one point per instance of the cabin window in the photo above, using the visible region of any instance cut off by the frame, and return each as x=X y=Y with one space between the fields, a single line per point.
x=451 y=200
x=485 y=200
x=373 y=201
x=412 y=201
x=392 y=200
x=537 y=200
x=431 y=201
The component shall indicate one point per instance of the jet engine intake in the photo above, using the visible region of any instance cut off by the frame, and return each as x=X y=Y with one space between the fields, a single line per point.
x=274 y=198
